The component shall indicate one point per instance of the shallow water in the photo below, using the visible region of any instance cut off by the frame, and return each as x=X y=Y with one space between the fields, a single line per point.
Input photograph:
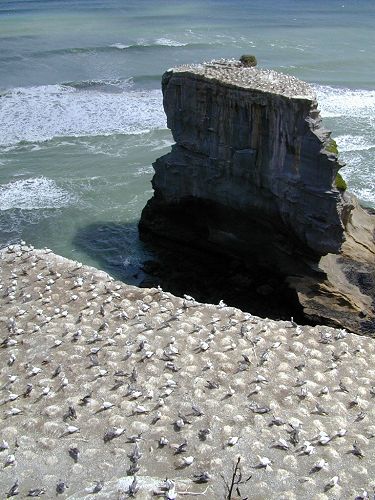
x=81 y=116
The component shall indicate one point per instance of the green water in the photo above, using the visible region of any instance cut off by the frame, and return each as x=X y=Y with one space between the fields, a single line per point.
x=81 y=117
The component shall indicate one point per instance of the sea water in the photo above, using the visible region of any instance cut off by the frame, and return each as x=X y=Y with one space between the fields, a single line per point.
x=81 y=115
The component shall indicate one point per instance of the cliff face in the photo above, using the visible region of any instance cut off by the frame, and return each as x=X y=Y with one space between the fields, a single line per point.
x=252 y=172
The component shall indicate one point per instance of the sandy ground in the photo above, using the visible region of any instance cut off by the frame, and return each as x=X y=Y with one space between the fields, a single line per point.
x=108 y=388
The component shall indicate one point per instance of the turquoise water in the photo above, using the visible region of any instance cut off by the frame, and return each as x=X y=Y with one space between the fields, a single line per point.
x=81 y=116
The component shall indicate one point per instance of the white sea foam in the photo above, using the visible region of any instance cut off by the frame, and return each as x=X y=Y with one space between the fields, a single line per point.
x=142 y=42
x=169 y=43
x=348 y=142
x=359 y=173
x=33 y=194
x=350 y=115
x=335 y=101
x=41 y=113
x=120 y=46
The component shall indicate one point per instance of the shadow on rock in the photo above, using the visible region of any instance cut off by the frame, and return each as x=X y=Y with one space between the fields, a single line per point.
x=180 y=270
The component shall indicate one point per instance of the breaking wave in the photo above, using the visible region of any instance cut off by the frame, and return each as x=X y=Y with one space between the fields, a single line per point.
x=336 y=102
x=36 y=114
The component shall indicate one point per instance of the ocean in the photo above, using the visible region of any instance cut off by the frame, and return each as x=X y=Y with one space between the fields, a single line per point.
x=81 y=116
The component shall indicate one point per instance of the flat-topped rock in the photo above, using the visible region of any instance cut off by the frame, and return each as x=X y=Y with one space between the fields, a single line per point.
x=232 y=72
x=254 y=175
x=108 y=389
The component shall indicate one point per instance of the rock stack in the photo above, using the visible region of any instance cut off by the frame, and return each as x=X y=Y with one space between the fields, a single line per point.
x=253 y=174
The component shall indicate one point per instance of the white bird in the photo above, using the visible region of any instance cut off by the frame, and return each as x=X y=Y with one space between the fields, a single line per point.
x=45 y=391
x=259 y=378
x=333 y=482
x=163 y=441
x=319 y=465
x=71 y=429
x=135 y=395
x=186 y=461
x=179 y=423
x=341 y=432
x=14 y=411
x=147 y=355
x=323 y=438
x=363 y=495
x=167 y=392
x=64 y=382
x=171 y=383
x=203 y=346
x=256 y=390
x=4 y=445
x=11 y=360
x=308 y=448
x=140 y=409
x=230 y=392
x=106 y=405
x=282 y=444
x=34 y=371
x=10 y=460
x=232 y=440
x=78 y=282
x=265 y=463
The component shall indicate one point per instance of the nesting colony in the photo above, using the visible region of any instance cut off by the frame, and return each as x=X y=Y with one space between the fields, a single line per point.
x=113 y=391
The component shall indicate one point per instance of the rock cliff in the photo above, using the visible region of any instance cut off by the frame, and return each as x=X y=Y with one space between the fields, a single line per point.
x=253 y=174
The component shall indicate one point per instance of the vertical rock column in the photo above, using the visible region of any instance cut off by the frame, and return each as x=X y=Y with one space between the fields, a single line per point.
x=252 y=172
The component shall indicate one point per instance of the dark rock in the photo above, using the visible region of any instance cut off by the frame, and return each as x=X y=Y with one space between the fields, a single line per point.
x=253 y=176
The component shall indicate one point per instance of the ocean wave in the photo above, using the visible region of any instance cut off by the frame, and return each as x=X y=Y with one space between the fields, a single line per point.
x=139 y=45
x=33 y=194
x=163 y=42
x=114 y=86
x=359 y=174
x=37 y=114
x=336 y=102
x=348 y=142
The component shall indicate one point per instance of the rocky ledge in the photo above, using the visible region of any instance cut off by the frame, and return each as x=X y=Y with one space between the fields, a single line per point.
x=254 y=175
x=108 y=389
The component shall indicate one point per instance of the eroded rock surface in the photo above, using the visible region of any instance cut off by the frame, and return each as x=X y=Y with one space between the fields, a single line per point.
x=253 y=174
